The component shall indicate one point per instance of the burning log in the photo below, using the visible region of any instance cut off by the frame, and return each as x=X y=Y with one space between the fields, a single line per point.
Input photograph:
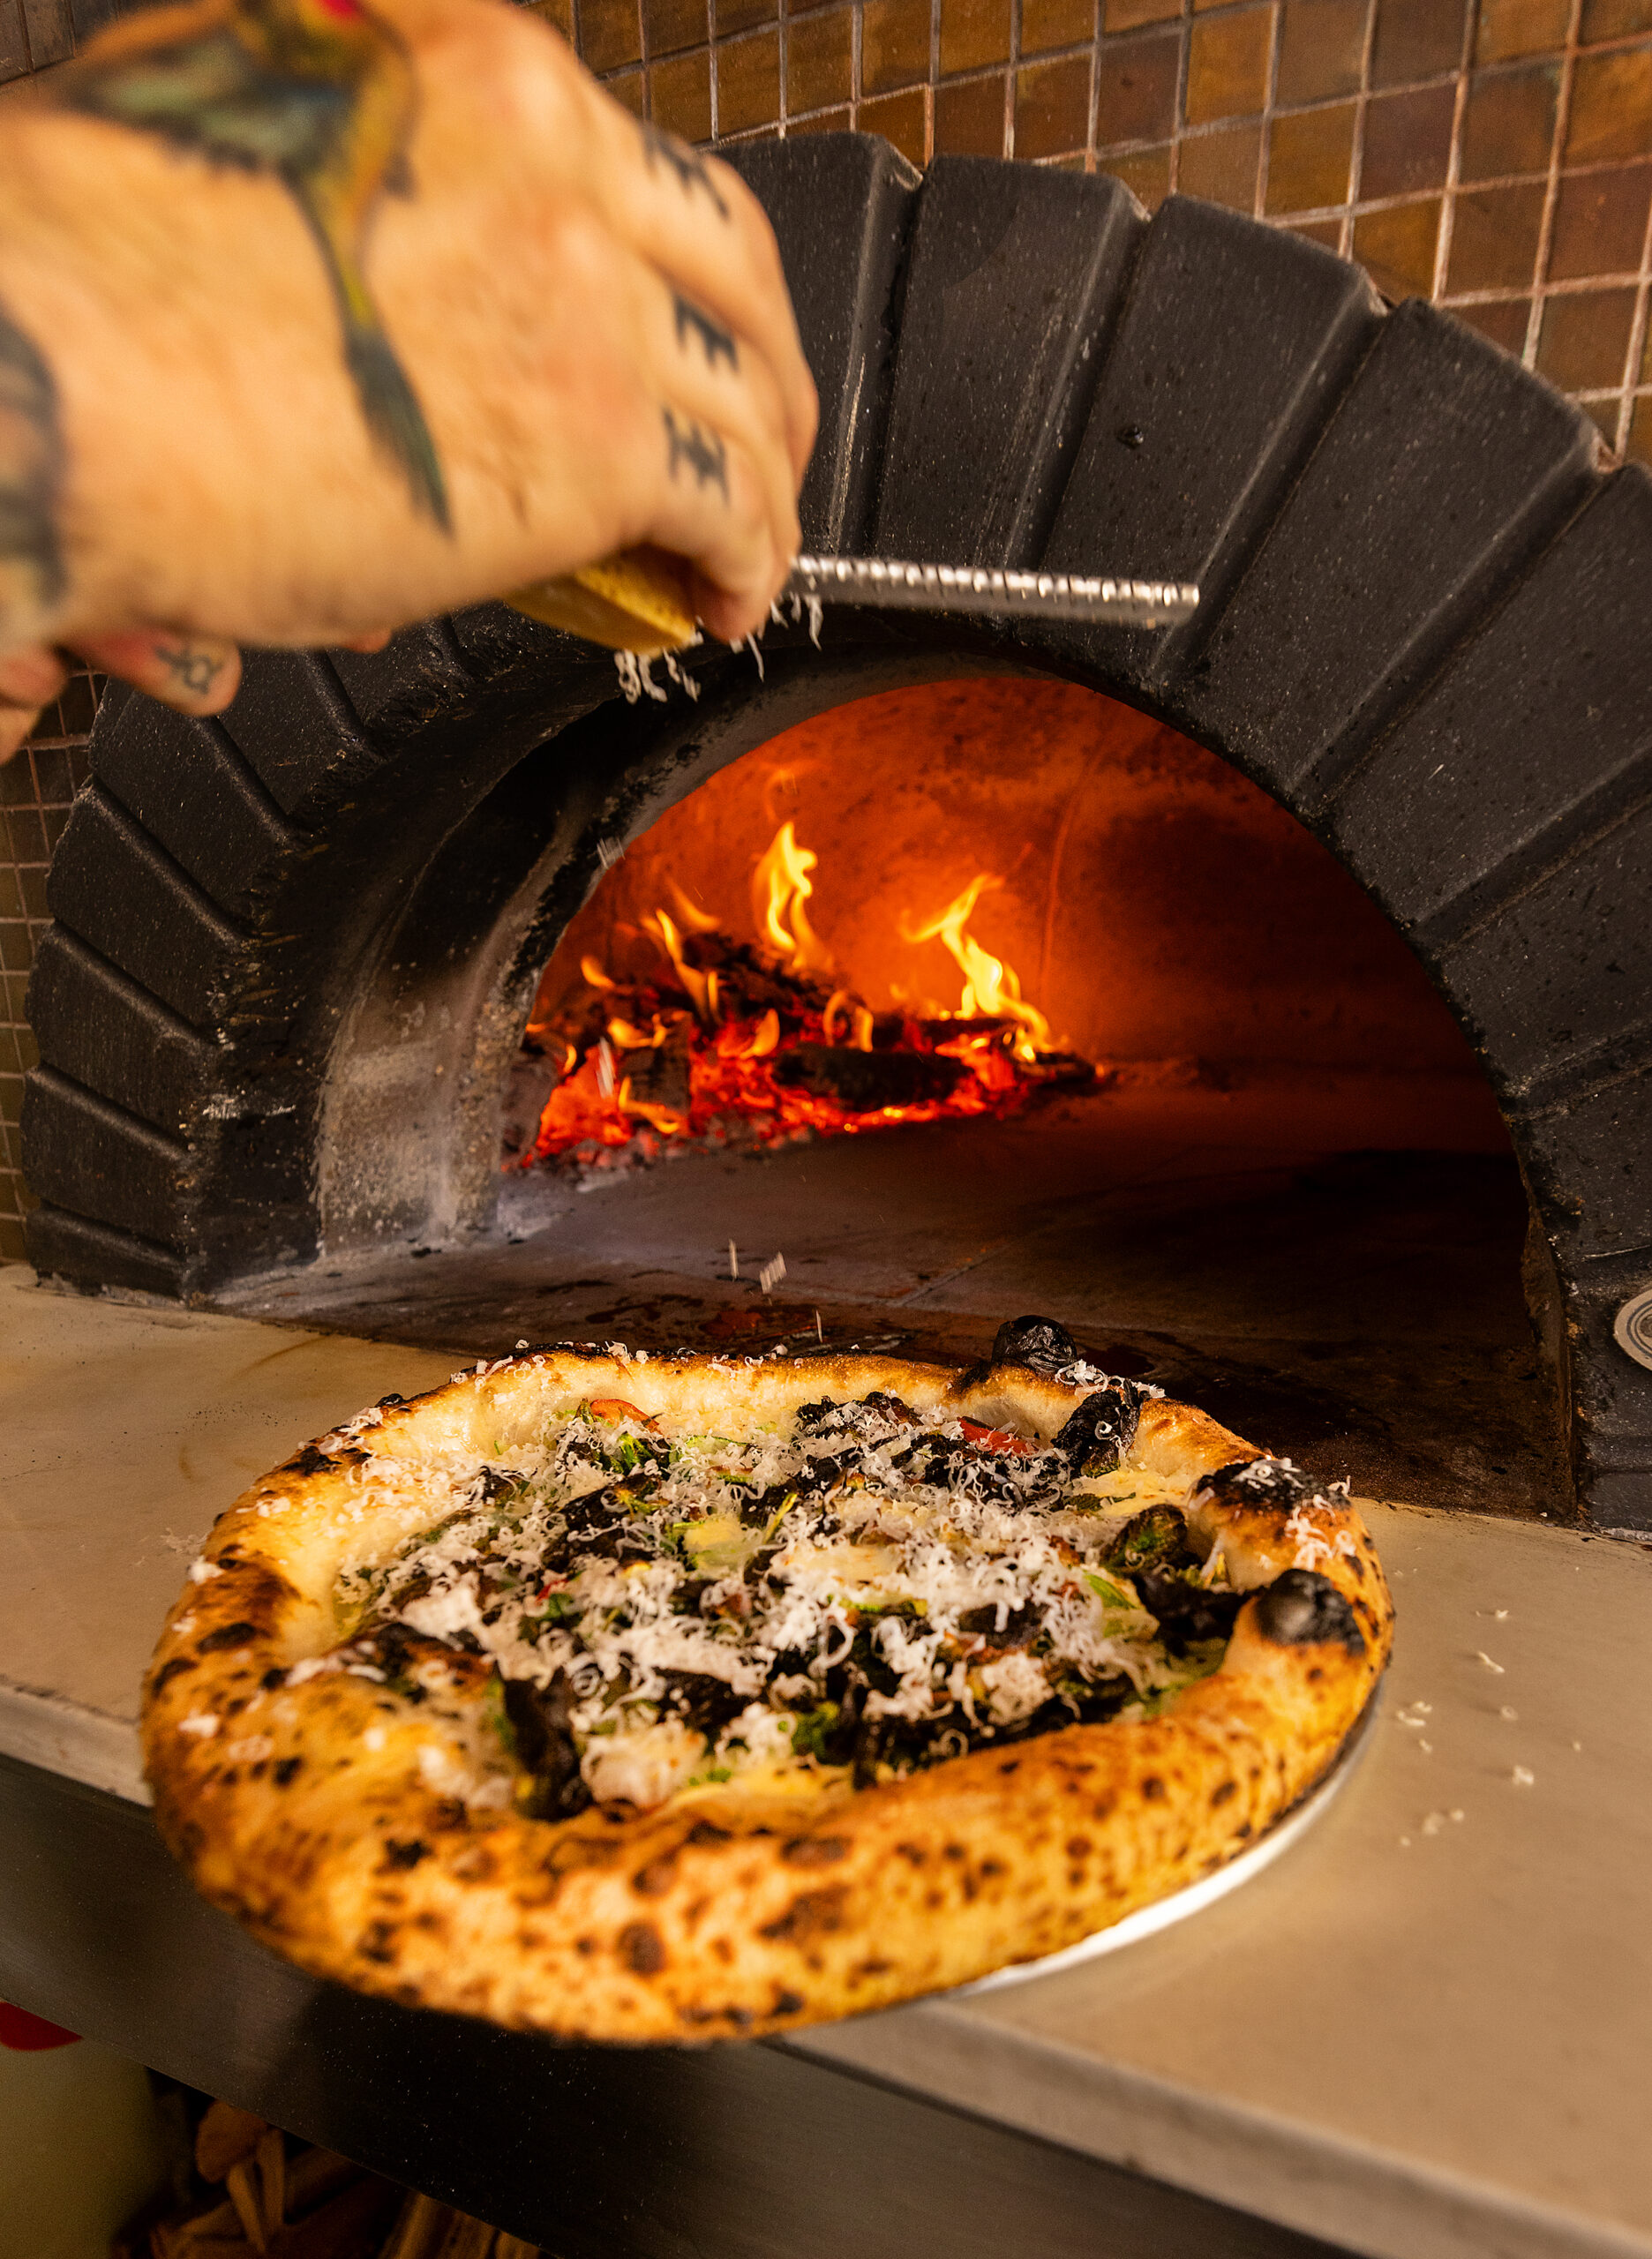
x=865 y=1082
x=728 y=1040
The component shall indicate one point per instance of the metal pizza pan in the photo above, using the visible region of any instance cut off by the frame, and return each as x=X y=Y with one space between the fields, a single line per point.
x=1147 y=1921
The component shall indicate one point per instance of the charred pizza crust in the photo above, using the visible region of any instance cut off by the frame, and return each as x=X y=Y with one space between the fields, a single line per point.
x=339 y=1819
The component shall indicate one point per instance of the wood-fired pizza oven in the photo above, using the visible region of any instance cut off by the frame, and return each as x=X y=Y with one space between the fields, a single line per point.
x=280 y=1014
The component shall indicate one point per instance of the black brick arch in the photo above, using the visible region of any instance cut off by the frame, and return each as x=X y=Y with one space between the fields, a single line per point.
x=294 y=949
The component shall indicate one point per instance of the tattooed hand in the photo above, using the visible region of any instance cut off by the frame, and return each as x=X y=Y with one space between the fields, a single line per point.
x=317 y=316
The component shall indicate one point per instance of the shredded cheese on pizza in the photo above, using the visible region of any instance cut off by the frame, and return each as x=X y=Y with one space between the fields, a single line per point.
x=847 y=1593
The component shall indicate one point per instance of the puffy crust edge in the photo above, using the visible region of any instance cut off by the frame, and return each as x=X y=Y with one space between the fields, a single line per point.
x=311 y=1815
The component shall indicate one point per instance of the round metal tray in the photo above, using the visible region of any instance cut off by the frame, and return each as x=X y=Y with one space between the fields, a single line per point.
x=1148 y=1920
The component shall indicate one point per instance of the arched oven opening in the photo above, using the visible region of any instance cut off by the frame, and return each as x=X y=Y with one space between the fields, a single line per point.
x=1190 y=987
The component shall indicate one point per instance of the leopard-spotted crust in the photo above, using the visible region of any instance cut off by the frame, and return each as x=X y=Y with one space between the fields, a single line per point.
x=332 y=1817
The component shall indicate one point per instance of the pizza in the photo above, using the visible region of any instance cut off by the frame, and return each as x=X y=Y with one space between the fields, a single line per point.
x=666 y=1697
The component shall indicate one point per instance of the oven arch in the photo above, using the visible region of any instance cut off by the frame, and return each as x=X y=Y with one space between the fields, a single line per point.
x=1424 y=635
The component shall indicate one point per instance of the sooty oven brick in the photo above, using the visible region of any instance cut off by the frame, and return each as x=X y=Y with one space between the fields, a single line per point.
x=1443 y=469
x=1424 y=633
x=1235 y=343
x=1014 y=276
x=842 y=206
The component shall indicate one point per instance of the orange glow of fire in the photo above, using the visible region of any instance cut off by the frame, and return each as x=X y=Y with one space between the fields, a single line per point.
x=991 y=989
x=729 y=1053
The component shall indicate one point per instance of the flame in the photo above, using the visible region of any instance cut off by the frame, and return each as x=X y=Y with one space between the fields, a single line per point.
x=991 y=989
x=731 y=1047
x=700 y=987
x=781 y=886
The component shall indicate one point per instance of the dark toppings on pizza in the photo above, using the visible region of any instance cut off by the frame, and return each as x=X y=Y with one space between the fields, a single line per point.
x=858 y=1590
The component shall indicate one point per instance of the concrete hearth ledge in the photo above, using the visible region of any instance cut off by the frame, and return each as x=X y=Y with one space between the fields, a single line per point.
x=1418 y=2035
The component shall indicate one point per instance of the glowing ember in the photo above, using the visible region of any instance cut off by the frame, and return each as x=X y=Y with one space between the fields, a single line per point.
x=726 y=1039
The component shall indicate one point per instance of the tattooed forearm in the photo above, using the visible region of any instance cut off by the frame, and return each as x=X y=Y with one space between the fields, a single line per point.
x=320 y=96
x=31 y=473
x=688 y=165
x=704 y=453
x=716 y=339
x=191 y=668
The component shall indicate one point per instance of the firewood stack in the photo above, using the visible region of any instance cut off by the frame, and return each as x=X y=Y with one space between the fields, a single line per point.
x=284 y=2199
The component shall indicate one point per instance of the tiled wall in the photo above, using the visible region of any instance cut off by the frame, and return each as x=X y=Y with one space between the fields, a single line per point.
x=35 y=790
x=1495 y=156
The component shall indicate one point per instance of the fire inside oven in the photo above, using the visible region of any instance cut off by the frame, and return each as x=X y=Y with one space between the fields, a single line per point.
x=971 y=901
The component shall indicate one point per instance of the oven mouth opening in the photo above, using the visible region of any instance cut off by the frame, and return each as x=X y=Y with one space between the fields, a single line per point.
x=1201 y=1104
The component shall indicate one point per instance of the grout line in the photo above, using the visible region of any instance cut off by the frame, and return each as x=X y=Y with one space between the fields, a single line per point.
x=1637 y=343
x=1012 y=77
x=1356 y=153
x=1551 y=191
x=1454 y=161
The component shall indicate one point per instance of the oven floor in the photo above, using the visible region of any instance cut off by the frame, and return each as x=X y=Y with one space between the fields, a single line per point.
x=1359 y=1311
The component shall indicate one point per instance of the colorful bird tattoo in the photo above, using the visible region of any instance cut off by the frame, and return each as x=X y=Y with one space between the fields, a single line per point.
x=321 y=93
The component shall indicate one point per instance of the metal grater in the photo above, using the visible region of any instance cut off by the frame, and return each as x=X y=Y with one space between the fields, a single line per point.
x=971 y=592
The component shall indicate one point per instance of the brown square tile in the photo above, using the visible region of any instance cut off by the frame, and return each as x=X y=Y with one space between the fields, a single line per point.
x=1613 y=19
x=819 y=63
x=1603 y=415
x=1321 y=47
x=1599 y=223
x=893 y=45
x=1408 y=142
x=1509 y=28
x=1046 y=24
x=969 y=118
x=1309 y=156
x=1494 y=238
x=1396 y=247
x=1508 y=126
x=680 y=92
x=1584 y=339
x=1227 y=65
x=672 y=25
x=34 y=905
x=50 y=30
x=974 y=33
x=1611 y=106
x=1417 y=39
x=749 y=83
x=1221 y=167
x=28 y=1050
x=1131 y=15
x=1052 y=107
x=731 y=17
x=826 y=121
x=14 y=53
x=1144 y=172
x=899 y=118
x=611 y=34
x=629 y=89
x=1136 y=89
x=14 y=1247
x=1638 y=447
x=558 y=13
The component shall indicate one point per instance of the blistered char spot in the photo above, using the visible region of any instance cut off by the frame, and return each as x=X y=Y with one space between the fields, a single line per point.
x=227 y=1635
x=1223 y=1791
x=641 y=1948
x=378 y=1942
x=1152 y=1788
x=817 y=1913
x=404 y=1855
x=788 y=2003
x=816 y=1850
x=283 y=1769
x=655 y=1879
x=169 y=1672
x=1078 y=1847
